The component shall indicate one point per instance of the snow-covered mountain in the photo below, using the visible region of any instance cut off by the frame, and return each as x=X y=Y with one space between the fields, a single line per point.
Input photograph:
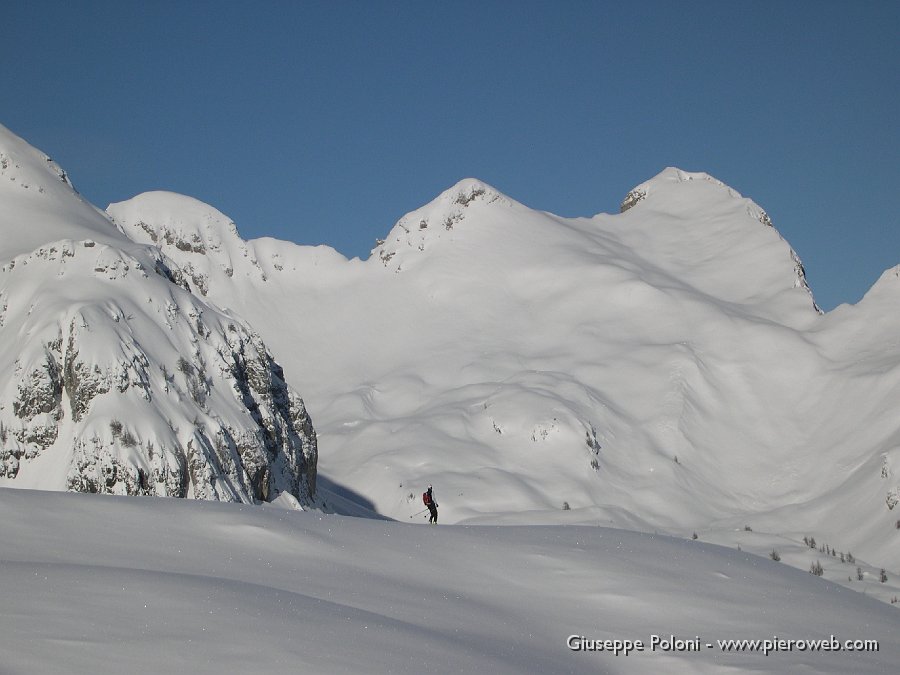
x=117 y=377
x=661 y=368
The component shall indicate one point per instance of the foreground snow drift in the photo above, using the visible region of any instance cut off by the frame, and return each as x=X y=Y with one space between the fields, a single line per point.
x=97 y=584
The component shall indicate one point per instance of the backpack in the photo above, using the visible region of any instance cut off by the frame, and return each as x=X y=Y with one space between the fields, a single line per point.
x=426 y=499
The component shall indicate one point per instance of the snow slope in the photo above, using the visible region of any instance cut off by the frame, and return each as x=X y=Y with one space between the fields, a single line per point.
x=99 y=584
x=663 y=368
x=117 y=378
x=40 y=204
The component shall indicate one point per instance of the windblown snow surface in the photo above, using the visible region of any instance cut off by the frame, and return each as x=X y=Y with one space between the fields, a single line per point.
x=99 y=584
x=625 y=418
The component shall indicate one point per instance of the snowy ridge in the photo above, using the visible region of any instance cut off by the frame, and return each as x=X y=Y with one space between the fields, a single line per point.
x=37 y=189
x=208 y=249
x=886 y=289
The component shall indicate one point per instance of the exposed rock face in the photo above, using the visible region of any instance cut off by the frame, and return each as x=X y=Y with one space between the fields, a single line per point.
x=205 y=412
x=632 y=198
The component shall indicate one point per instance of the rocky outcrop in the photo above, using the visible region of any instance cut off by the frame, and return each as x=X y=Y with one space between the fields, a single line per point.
x=632 y=199
x=140 y=388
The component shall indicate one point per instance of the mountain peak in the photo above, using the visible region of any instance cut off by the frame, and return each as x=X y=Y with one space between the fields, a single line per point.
x=187 y=229
x=161 y=217
x=672 y=180
x=439 y=219
x=713 y=217
x=470 y=189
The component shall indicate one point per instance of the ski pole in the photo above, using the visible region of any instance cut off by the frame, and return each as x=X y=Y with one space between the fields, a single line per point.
x=416 y=514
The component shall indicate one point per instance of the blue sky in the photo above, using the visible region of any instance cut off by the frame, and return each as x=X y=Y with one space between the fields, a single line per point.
x=325 y=122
